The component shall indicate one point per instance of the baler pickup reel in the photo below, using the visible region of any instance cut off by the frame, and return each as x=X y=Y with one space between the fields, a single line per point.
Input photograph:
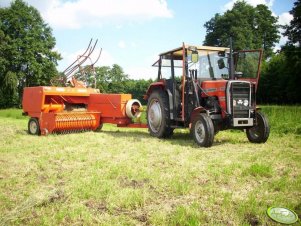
x=77 y=72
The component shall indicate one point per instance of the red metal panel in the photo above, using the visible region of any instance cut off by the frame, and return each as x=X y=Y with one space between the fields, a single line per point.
x=52 y=99
x=109 y=105
x=32 y=99
x=216 y=88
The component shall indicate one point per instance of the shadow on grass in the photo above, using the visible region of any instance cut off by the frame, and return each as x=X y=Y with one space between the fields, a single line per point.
x=178 y=138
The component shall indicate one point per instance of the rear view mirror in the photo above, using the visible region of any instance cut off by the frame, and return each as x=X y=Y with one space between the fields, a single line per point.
x=221 y=64
x=195 y=56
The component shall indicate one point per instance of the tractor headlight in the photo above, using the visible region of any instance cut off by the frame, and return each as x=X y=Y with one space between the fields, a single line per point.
x=242 y=102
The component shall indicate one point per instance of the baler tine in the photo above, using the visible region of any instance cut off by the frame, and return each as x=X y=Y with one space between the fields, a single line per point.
x=83 y=69
x=71 y=65
x=68 y=73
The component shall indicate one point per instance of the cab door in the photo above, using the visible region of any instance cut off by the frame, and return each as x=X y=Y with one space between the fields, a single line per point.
x=247 y=65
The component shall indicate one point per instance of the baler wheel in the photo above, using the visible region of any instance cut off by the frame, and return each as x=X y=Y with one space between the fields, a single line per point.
x=34 y=126
x=260 y=132
x=202 y=130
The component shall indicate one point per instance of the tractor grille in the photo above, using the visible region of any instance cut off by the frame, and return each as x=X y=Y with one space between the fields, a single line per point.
x=240 y=99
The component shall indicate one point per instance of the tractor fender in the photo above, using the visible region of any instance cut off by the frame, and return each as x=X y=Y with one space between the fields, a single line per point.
x=153 y=86
x=197 y=111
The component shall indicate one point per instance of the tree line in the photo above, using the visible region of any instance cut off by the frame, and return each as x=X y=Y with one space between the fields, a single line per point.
x=281 y=75
x=27 y=57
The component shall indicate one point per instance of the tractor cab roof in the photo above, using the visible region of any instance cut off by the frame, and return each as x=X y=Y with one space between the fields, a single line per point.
x=178 y=53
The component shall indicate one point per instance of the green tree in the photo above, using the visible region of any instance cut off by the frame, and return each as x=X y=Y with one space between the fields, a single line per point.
x=293 y=30
x=114 y=80
x=27 y=57
x=111 y=79
x=281 y=76
x=138 y=88
x=292 y=51
x=251 y=28
x=273 y=81
x=102 y=78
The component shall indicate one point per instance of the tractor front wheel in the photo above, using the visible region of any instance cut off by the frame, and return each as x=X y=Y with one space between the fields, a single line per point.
x=202 y=130
x=260 y=132
x=34 y=126
x=158 y=115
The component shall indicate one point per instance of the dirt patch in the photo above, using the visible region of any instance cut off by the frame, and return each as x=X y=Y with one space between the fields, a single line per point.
x=142 y=218
x=96 y=206
x=252 y=219
x=202 y=181
x=126 y=182
x=58 y=195
x=139 y=215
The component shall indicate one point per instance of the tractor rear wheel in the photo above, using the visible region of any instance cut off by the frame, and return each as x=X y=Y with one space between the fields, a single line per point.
x=33 y=126
x=158 y=120
x=202 y=130
x=260 y=132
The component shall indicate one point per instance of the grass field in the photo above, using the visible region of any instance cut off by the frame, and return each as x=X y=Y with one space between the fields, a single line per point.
x=125 y=177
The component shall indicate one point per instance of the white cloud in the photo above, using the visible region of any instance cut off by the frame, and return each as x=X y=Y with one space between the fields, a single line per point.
x=141 y=72
x=285 y=18
x=75 y=14
x=5 y=3
x=42 y=6
x=121 y=44
x=268 y=3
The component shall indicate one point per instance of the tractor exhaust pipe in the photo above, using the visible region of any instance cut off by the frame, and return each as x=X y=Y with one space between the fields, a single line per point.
x=231 y=63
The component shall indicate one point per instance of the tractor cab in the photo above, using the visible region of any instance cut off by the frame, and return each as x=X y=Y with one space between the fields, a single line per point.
x=208 y=63
x=196 y=82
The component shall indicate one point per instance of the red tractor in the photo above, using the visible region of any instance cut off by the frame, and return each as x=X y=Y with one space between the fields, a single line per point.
x=207 y=89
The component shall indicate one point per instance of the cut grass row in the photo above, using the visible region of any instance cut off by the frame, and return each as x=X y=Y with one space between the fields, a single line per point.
x=126 y=177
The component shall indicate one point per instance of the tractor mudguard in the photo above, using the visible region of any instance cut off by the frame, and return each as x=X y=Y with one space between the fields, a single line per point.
x=155 y=85
x=197 y=111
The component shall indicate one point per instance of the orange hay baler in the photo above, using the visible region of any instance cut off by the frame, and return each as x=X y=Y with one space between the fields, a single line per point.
x=65 y=109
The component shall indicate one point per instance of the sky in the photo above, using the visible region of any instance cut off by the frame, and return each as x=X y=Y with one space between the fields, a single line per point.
x=132 y=33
